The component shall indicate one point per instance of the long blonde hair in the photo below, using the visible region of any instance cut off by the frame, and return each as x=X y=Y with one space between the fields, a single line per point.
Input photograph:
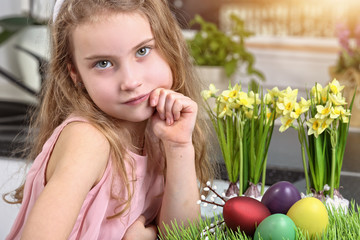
x=60 y=98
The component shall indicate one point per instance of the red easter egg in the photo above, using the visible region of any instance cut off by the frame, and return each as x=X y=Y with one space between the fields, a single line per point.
x=245 y=213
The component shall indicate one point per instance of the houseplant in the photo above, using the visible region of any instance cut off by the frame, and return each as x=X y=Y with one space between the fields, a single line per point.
x=243 y=122
x=30 y=40
x=212 y=47
x=35 y=12
x=322 y=125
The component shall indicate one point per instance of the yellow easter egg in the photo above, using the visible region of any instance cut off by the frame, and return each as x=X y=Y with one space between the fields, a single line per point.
x=310 y=215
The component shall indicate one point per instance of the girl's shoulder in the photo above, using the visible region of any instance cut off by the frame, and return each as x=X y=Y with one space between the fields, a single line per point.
x=80 y=145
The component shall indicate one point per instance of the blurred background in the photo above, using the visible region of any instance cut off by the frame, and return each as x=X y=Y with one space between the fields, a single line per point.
x=294 y=43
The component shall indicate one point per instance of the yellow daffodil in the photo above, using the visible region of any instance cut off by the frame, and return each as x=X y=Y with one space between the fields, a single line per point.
x=315 y=126
x=324 y=94
x=297 y=111
x=287 y=106
x=323 y=111
x=317 y=88
x=224 y=110
x=290 y=94
x=335 y=87
x=206 y=94
x=337 y=99
x=316 y=93
x=318 y=126
x=255 y=97
x=340 y=112
x=325 y=124
x=336 y=111
x=231 y=95
x=304 y=104
x=344 y=114
x=268 y=98
x=249 y=114
x=244 y=100
x=268 y=115
x=234 y=105
x=274 y=93
x=286 y=121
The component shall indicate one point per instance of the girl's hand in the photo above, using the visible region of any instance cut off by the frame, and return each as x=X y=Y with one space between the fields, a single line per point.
x=175 y=116
x=173 y=123
x=138 y=231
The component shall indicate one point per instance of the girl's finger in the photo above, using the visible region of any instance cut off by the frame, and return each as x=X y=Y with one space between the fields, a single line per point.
x=161 y=98
x=181 y=105
x=171 y=98
x=168 y=109
x=154 y=97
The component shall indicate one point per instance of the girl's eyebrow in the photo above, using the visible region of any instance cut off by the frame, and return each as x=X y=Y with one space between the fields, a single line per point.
x=143 y=43
x=133 y=49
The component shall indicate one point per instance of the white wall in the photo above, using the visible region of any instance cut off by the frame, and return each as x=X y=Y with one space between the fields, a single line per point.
x=294 y=61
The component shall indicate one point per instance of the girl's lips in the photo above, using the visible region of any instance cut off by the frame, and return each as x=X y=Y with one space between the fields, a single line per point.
x=138 y=100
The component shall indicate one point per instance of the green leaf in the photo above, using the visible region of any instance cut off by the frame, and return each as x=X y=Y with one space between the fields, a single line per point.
x=214 y=46
x=253 y=85
x=5 y=35
x=11 y=25
x=230 y=67
x=14 y=24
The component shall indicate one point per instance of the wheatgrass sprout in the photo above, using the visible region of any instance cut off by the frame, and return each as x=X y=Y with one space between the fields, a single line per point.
x=342 y=226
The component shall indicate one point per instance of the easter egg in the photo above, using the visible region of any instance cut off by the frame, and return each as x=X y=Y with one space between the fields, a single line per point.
x=276 y=226
x=244 y=213
x=310 y=215
x=280 y=197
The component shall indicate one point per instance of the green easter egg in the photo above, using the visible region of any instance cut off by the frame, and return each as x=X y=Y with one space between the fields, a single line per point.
x=276 y=226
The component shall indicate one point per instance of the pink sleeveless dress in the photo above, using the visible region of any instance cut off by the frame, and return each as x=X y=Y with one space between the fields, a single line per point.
x=92 y=222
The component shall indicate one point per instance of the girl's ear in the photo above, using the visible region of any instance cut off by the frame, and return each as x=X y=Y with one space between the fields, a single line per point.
x=73 y=72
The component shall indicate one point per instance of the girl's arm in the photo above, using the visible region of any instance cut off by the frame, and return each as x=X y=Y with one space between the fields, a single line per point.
x=138 y=230
x=174 y=123
x=77 y=163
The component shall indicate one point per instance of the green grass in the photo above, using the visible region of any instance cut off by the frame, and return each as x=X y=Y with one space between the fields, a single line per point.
x=342 y=225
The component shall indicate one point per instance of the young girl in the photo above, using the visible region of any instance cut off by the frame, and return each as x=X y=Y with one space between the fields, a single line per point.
x=118 y=148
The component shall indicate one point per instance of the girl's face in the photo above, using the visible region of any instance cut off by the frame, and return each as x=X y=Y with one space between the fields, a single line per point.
x=117 y=60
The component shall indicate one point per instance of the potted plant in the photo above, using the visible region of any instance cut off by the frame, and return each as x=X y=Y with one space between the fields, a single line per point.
x=244 y=123
x=322 y=122
x=211 y=48
x=36 y=12
x=30 y=35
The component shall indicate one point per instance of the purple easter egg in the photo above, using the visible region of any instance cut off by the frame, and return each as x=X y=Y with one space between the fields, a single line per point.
x=280 y=197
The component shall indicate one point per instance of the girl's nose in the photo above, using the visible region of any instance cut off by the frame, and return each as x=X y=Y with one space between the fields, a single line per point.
x=129 y=78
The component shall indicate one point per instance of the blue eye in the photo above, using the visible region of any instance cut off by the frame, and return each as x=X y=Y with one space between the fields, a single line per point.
x=142 y=52
x=103 y=64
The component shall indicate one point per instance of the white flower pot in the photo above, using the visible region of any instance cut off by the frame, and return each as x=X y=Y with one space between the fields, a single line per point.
x=214 y=75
